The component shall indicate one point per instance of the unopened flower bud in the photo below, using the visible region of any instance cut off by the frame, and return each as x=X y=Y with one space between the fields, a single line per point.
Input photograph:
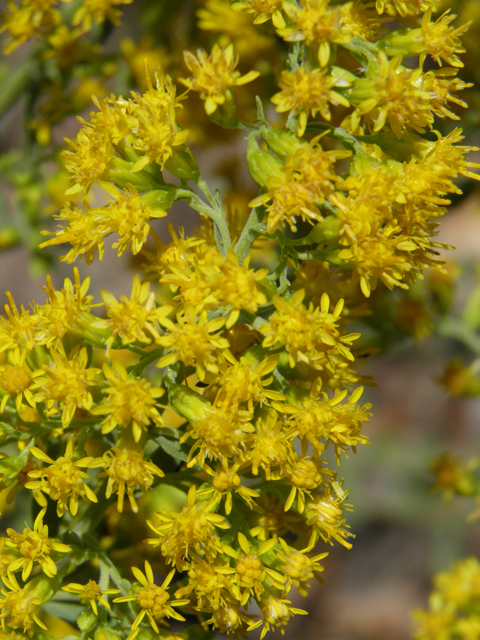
x=188 y=403
x=262 y=164
x=183 y=164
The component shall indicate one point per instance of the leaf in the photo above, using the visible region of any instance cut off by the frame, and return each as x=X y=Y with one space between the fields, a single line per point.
x=64 y=610
x=197 y=632
x=10 y=467
x=172 y=447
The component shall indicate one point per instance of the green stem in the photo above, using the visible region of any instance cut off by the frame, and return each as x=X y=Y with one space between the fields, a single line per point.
x=137 y=369
x=16 y=81
x=214 y=211
x=249 y=234
x=339 y=134
x=456 y=329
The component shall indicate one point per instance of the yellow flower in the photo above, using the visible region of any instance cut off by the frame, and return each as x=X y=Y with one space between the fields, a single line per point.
x=305 y=475
x=190 y=530
x=441 y=84
x=225 y=481
x=461 y=584
x=179 y=252
x=62 y=480
x=315 y=23
x=193 y=341
x=20 y=606
x=276 y=612
x=218 y=433
x=213 y=75
x=90 y=593
x=129 y=215
x=229 y=619
x=270 y=447
x=34 y=545
x=30 y=18
x=17 y=330
x=433 y=625
x=211 y=583
x=135 y=54
x=298 y=566
x=272 y=519
x=234 y=26
x=324 y=514
x=63 y=311
x=152 y=600
x=308 y=91
x=83 y=231
x=360 y=19
x=130 y=402
x=393 y=95
x=89 y=158
x=96 y=12
x=312 y=418
x=310 y=334
x=16 y=379
x=106 y=147
x=303 y=184
x=251 y=572
x=437 y=39
x=263 y=10
x=152 y=122
x=236 y=286
x=126 y=471
x=404 y=7
x=241 y=381
x=131 y=318
x=66 y=381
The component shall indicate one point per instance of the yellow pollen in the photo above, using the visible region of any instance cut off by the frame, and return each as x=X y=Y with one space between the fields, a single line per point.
x=305 y=475
x=250 y=568
x=14 y=379
x=153 y=599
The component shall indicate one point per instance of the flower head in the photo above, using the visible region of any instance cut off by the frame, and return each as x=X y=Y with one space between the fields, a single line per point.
x=66 y=381
x=192 y=530
x=263 y=10
x=152 y=599
x=298 y=566
x=193 y=340
x=276 y=612
x=213 y=75
x=133 y=318
x=34 y=545
x=127 y=470
x=19 y=606
x=307 y=92
x=314 y=22
x=16 y=380
x=90 y=593
x=62 y=480
x=310 y=334
x=130 y=402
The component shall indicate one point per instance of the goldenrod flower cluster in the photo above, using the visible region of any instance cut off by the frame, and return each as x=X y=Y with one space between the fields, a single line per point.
x=453 y=605
x=219 y=386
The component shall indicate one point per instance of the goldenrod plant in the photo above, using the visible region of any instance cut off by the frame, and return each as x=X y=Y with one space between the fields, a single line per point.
x=171 y=444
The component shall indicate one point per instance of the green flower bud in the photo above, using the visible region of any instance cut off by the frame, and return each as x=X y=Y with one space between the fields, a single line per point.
x=183 y=164
x=325 y=231
x=120 y=173
x=408 y=42
x=262 y=164
x=84 y=328
x=283 y=141
x=188 y=403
